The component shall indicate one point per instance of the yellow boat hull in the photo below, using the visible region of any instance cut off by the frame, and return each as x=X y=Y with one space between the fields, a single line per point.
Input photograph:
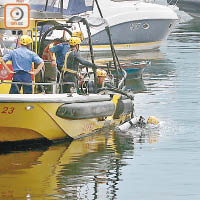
x=31 y=121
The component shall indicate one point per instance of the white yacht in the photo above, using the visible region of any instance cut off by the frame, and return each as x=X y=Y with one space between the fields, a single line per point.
x=134 y=25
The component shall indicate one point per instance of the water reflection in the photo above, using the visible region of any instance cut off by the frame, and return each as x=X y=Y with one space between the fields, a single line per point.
x=159 y=65
x=96 y=175
x=188 y=32
x=88 y=168
x=131 y=55
x=136 y=85
x=127 y=56
x=62 y=171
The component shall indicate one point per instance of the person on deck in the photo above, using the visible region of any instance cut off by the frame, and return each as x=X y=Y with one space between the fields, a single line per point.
x=60 y=51
x=49 y=56
x=22 y=59
x=59 y=48
x=71 y=65
x=101 y=82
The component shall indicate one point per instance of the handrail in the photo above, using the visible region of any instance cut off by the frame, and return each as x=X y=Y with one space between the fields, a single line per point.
x=23 y=83
x=41 y=84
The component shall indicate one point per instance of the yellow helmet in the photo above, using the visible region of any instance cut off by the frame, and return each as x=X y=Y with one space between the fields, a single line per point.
x=152 y=120
x=25 y=40
x=73 y=41
x=78 y=34
x=101 y=72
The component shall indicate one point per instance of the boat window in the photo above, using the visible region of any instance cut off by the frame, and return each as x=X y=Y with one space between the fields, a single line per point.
x=11 y=42
x=17 y=32
x=145 y=26
x=10 y=38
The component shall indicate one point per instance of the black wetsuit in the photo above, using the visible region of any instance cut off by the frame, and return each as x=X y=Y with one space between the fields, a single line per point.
x=73 y=61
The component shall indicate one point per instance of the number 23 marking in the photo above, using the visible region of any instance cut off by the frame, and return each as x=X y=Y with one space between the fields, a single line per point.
x=8 y=110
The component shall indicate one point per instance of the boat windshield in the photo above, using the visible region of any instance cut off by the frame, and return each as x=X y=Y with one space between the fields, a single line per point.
x=69 y=7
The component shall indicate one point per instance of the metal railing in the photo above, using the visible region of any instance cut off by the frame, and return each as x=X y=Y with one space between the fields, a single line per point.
x=41 y=84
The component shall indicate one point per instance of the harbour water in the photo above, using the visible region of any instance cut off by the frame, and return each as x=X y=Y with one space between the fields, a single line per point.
x=145 y=164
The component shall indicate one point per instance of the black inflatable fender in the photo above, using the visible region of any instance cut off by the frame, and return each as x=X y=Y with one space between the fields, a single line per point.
x=124 y=106
x=86 y=110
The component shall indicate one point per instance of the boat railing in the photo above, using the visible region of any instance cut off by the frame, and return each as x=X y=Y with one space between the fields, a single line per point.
x=23 y=83
x=55 y=86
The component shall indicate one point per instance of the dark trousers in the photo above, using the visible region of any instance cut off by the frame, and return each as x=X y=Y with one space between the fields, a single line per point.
x=21 y=76
x=72 y=82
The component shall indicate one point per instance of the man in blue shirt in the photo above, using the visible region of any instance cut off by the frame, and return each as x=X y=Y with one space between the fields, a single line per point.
x=60 y=51
x=22 y=59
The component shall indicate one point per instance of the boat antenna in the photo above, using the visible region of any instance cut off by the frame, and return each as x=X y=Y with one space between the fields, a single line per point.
x=47 y=1
x=61 y=7
x=99 y=8
x=115 y=58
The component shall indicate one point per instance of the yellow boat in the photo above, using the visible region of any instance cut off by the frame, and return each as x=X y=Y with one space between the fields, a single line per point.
x=39 y=116
x=53 y=116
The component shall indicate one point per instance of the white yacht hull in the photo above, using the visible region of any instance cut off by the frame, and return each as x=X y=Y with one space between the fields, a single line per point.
x=133 y=25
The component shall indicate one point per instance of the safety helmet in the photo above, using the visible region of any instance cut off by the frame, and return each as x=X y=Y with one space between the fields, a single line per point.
x=152 y=120
x=101 y=72
x=78 y=34
x=73 y=41
x=25 y=40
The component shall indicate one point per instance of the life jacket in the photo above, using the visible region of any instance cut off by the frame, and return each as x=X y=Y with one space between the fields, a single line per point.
x=45 y=55
x=65 y=69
